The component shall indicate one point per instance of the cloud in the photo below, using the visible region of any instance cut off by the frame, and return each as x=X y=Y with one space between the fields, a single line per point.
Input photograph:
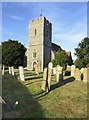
x=15 y=17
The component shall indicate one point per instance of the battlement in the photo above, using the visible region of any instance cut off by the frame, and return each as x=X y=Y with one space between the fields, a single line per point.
x=42 y=18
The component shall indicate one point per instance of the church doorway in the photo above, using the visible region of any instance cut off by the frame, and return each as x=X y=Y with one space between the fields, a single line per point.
x=34 y=63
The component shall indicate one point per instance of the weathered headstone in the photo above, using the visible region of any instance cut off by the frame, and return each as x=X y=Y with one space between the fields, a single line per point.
x=49 y=78
x=3 y=70
x=21 y=73
x=9 y=70
x=68 y=68
x=72 y=70
x=59 y=73
x=54 y=70
x=77 y=74
x=81 y=72
x=36 y=69
x=86 y=74
x=50 y=65
x=44 y=79
x=12 y=70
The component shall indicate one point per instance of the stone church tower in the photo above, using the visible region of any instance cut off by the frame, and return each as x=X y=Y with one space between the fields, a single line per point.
x=39 y=43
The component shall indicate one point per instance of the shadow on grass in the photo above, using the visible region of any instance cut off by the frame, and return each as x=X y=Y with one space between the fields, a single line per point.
x=54 y=86
x=14 y=90
x=32 y=78
x=61 y=83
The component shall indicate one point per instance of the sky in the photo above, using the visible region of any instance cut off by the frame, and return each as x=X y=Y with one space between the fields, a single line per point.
x=69 y=21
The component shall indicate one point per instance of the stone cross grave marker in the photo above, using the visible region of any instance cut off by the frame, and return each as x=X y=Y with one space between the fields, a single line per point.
x=77 y=74
x=9 y=70
x=36 y=69
x=3 y=70
x=59 y=73
x=72 y=70
x=21 y=73
x=12 y=70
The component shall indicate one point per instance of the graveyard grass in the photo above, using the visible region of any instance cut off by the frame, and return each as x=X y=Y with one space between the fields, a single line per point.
x=65 y=100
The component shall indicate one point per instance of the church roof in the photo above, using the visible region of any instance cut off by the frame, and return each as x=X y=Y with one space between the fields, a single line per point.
x=55 y=47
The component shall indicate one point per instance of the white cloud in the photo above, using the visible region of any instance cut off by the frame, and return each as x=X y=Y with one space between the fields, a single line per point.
x=15 y=17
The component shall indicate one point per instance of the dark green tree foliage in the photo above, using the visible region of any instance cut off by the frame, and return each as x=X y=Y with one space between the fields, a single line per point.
x=82 y=53
x=13 y=53
x=61 y=59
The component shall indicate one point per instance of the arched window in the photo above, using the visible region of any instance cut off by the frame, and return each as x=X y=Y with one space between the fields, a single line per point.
x=34 y=54
x=35 y=32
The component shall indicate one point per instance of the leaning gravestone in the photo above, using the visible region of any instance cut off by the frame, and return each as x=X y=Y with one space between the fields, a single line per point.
x=21 y=73
x=36 y=69
x=86 y=75
x=9 y=70
x=72 y=70
x=3 y=70
x=12 y=70
x=59 y=73
x=77 y=74
x=44 y=81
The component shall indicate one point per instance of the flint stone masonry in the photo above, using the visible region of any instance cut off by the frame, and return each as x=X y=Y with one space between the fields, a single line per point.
x=72 y=70
x=39 y=43
x=21 y=73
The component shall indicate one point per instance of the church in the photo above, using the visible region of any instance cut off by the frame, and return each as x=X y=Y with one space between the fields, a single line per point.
x=40 y=49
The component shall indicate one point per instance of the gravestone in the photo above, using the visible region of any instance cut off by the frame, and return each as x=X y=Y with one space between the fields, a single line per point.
x=50 y=65
x=12 y=70
x=9 y=70
x=72 y=70
x=77 y=74
x=3 y=70
x=54 y=70
x=44 y=79
x=21 y=73
x=68 y=68
x=86 y=74
x=49 y=78
x=36 y=69
x=81 y=72
x=59 y=73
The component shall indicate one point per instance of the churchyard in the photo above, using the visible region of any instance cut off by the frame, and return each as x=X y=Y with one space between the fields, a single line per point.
x=51 y=94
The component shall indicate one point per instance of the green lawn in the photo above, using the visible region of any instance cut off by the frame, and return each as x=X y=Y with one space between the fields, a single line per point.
x=65 y=100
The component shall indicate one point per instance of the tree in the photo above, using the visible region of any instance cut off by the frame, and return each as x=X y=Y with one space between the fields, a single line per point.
x=61 y=59
x=12 y=53
x=82 y=53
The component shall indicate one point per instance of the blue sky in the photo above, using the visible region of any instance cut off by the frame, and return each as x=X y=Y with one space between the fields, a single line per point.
x=69 y=21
